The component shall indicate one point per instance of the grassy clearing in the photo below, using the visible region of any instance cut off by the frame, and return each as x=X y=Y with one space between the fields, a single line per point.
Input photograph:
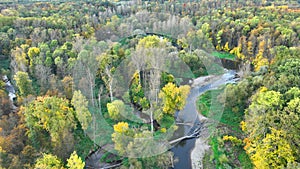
x=203 y=103
x=223 y=55
x=223 y=154
x=216 y=111
x=109 y=157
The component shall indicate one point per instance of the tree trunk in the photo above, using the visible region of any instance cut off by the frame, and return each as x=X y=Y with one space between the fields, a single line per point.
x=99 y=99
x=110 y=91
x=151 y=117
x=91 y=80
x=110 y=82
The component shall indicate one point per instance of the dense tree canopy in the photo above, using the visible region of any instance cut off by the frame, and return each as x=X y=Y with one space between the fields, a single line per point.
x=62 y=58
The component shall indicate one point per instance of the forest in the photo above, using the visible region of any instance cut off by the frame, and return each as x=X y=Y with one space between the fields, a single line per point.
x=146 y=84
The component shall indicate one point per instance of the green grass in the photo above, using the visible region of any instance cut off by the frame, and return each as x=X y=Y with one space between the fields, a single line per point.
x=203 y=103
x=232 y=119
x=108 y=157
x=208 y=106
x=216 y=111
x=224 y=55
x=219 y=157
x=245 y=160
x=216 y=152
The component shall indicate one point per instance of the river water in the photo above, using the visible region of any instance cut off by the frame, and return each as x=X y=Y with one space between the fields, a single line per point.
x=189 y=115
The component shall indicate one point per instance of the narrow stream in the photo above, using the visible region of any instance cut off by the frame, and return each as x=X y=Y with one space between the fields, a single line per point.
x=189 y=114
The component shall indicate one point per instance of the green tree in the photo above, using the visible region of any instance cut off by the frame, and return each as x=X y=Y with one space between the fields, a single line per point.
x=292 y=93
x=272 y=125
x=33 y=52
x=19 y=60
x=51 y=116
x=262 y=113
x=24 y=84
x=48 y=161
x=291 y=124
x=198 y=40
x=115 y=109
x=144 y=146
x=59 y=62
x=80 y=104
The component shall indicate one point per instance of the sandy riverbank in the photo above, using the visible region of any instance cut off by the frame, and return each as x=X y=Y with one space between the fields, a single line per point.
x=201 y=146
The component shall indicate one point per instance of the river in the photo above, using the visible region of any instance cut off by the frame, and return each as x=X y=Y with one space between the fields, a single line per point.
x=182 y=151
x=188 y=116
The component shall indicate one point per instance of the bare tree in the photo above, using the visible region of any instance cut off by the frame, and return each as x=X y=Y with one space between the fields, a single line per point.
x=78 y=44
x=86 y=68
x=156 y=62
x=244 y=70
x=42 y=73
x=18 y=60
x=139 y=60
x=110 y=82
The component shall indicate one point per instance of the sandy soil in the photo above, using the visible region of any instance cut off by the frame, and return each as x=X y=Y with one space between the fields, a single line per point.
x=201 y=146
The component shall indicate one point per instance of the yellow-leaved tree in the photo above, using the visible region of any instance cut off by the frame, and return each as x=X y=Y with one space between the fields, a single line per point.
x=273 y=151
x=173 y=97
x=121 y=137
x=75 y=162
x=48 y=161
